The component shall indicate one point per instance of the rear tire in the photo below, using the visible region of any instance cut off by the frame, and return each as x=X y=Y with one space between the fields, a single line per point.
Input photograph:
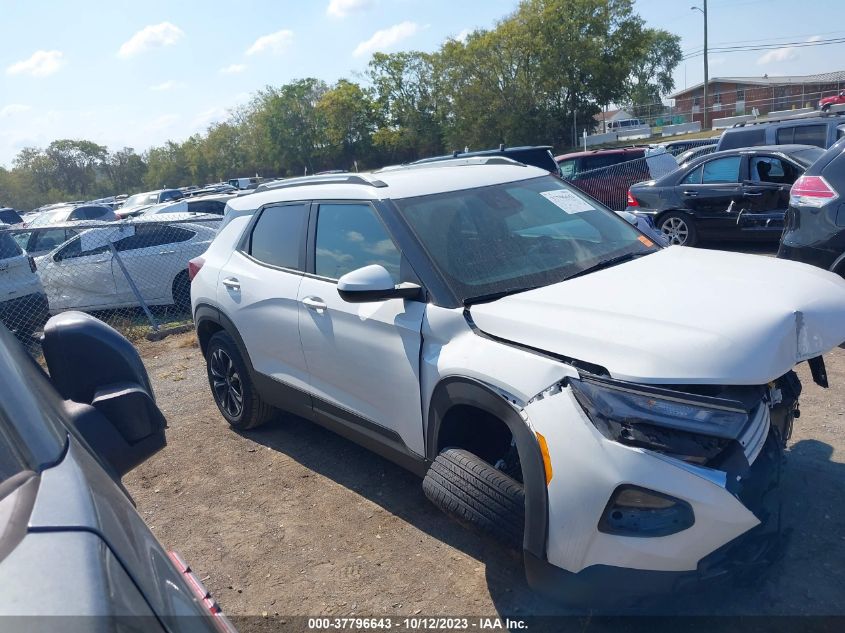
x=182 y=292
x=232 y=386
x=826 y=107
x=678 y=228
x=477 y=495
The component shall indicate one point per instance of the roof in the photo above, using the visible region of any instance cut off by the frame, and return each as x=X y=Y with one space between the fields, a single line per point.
x=612 y=150
x=394 y=184
x=774 y=80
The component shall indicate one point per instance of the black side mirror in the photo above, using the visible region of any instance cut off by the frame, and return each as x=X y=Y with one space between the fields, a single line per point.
x=110 y=399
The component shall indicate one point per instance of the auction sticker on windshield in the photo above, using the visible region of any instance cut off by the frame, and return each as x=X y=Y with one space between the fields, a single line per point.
x=567 y=200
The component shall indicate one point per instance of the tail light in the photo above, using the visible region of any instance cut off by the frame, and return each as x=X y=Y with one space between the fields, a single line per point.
x=32 y=265
x=632 y=201
x=812 y=191
x=194 y=267
x=201 y=593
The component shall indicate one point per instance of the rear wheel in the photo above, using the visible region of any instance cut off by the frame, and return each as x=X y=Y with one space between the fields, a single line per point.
x=478 y=495
x=231 y=385
x=679 y=229
x=826 y=107
x=182 y=292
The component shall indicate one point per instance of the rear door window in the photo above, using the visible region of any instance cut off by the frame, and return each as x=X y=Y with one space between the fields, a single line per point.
x=153 y=235
x=803 y=135
x=277 y=236
x=8 y=246
x=773 y=169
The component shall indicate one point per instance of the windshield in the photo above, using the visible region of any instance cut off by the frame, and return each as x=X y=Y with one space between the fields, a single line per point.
x=141 y=198
x=52 y=216
x=518 y=235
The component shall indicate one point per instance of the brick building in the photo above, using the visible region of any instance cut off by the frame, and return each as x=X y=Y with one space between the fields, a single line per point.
x=730 y=96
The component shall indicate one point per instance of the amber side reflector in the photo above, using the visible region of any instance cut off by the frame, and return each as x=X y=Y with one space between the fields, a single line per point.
x=547 y=461
x=646 y=241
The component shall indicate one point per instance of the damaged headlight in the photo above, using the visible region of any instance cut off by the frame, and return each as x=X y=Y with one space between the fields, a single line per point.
x=687 y=426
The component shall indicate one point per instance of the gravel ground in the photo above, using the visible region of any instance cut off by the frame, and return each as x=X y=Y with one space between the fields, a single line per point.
x=291 y=519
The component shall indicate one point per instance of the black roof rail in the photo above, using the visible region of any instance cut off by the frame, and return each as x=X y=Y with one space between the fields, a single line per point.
x=328 y=179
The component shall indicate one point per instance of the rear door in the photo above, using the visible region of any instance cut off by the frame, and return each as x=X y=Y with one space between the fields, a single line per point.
x=151 y=258
x=712 y=192
x=257 y=290
x=766 y=193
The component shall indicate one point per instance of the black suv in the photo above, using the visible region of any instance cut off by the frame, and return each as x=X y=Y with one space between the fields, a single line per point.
x=821 y=131
x=536 y=155
x=815 y=222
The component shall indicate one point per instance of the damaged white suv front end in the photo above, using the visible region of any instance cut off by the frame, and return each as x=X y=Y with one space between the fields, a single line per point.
x=665 y=438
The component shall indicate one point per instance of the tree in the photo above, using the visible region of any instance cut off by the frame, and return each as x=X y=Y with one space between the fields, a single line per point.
x=346 y=112
x=651 y=75
x=125 y=170
x=74 y=164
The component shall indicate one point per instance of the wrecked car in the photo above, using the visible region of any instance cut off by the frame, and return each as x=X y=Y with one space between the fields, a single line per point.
x=546 y=367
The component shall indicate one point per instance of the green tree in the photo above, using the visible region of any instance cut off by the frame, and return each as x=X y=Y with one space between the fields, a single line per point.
x=651 y=75
x=125 y=170
x=346 y=112
x=75 y=164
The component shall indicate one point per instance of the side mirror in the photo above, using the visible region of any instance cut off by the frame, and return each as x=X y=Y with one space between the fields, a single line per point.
x=107 y=391
x=373 y=283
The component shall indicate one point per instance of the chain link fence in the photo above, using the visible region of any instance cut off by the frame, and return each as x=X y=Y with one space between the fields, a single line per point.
x=131 y=274
x=609 y=185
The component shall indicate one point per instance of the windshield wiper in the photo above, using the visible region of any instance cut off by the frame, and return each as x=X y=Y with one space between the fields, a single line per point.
x=607 y=263
x=492 y=296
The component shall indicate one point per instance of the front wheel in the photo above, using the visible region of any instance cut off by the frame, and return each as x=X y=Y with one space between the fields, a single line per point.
x=679 y=229
x=182 y=292
x=826 y=107
x=232 y=386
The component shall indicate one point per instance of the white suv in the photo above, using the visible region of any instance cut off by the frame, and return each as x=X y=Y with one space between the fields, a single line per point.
x=616 y=408
x=23 y=304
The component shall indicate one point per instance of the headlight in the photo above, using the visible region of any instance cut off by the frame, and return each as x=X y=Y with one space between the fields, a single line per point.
x=693 y=428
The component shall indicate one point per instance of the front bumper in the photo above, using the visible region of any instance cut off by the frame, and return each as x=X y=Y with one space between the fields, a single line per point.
x=743 y=559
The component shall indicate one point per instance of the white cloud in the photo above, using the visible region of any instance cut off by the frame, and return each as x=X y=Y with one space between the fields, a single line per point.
x=40 y=64
x=233 y=69
x=13 y=109
x=162 y=122
x=354 y=236
x=386 y=38
x=342 y=8
x=784 y=53
x=207 y=117
x=152 y=36
x=276 y=43
x=167 y=85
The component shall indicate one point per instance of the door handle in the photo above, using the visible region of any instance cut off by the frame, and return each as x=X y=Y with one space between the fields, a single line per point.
x=749 y=194
x=690 y=193
x=167 y=253
x=231 y=283
x=314 y=303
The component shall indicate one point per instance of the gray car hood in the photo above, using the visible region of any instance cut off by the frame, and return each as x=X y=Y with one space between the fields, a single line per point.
x=681 y=315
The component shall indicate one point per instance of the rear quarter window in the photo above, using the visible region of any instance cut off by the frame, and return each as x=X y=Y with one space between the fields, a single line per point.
x=743 y=138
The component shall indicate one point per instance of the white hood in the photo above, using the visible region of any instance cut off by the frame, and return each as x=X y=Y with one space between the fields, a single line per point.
x=681 y=315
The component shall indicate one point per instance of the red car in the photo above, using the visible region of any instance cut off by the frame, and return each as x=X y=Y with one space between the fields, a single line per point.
x=826 y=102
x=605 y=174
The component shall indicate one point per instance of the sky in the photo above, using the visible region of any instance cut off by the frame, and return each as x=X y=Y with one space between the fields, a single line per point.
x=136 y=74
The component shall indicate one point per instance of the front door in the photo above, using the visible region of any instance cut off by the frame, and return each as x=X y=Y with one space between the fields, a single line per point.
x=79 y=275
x=712 y=193
x=363 y=358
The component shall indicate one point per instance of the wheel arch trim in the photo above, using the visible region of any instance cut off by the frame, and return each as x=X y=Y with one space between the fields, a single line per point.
x=459 y=390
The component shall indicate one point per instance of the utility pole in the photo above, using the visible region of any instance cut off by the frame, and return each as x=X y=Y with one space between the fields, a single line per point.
x=706 y=73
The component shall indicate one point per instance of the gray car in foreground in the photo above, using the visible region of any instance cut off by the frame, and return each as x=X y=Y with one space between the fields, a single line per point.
x=74 y=553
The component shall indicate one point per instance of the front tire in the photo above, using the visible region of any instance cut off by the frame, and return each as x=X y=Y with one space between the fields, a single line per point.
x=232 y=386
x=826 y=107
x=679 y=229
x=478 y=495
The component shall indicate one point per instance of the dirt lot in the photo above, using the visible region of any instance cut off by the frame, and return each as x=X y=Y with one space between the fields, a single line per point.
x=293 y=520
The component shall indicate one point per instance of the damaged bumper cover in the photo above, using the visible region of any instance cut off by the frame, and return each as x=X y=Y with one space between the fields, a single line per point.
x=744 y=559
